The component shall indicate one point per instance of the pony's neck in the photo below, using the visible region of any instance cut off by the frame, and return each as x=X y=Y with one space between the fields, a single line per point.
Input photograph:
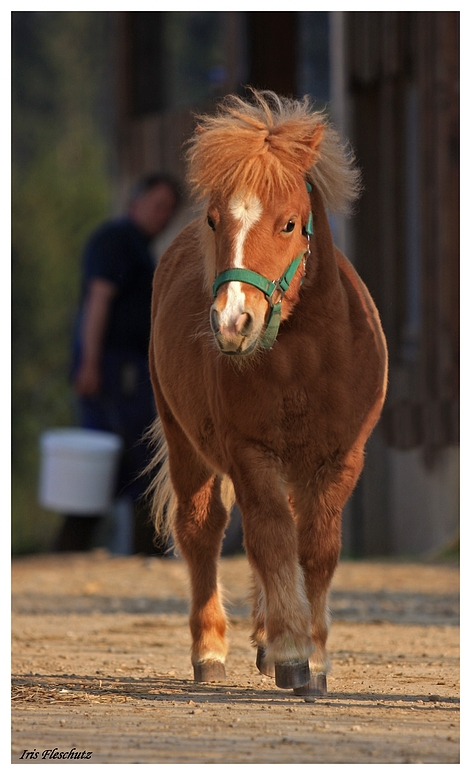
x=321 y=266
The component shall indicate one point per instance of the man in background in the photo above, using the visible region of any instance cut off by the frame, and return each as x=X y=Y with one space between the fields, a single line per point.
x=110 y=359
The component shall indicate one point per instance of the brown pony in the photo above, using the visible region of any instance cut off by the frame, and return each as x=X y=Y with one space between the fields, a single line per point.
x=268 y=363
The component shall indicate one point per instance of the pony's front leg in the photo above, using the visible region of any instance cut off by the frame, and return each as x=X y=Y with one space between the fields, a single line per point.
x=319 y=541
x=272 y=549
x=199 y=525
x=318 y=519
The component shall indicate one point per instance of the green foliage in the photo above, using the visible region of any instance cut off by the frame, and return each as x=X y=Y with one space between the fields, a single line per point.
x=61 y=190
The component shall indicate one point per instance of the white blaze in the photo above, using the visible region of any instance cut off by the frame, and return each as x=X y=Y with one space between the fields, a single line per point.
x=247 y=210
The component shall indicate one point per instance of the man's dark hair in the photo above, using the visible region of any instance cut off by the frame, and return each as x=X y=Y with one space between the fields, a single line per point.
x=147 y=182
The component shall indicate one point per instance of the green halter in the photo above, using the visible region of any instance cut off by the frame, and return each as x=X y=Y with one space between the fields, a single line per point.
x=268 y=287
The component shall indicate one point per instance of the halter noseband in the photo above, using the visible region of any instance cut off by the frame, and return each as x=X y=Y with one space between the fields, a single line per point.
x=269 y=287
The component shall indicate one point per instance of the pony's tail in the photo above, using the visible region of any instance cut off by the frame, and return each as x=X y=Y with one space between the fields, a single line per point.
x=160 y=492
x=227 y=493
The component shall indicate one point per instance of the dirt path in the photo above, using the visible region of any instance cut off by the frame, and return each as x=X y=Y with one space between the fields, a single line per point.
x=101 y=669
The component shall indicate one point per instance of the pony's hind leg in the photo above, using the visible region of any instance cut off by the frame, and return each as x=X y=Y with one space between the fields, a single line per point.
x=259 y=636
x=198 y=525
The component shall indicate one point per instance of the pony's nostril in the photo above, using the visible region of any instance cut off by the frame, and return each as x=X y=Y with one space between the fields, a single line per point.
x=244 y=324
x=214 y=320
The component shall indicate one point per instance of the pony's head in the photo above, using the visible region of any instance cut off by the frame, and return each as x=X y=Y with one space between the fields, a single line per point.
x=250 y=163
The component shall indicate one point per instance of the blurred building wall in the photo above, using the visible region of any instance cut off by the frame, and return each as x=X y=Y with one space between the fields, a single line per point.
x=401 y=109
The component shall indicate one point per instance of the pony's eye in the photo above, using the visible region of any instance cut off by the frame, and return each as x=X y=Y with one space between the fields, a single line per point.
x=289 y=227
x=211 y=223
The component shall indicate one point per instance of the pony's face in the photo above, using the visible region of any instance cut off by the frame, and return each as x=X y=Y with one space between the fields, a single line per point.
x=263 y=237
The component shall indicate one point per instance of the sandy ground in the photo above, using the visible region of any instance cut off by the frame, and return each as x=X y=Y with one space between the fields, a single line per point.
x=101 y=669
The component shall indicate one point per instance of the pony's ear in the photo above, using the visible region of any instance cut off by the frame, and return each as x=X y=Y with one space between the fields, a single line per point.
x=312 y=144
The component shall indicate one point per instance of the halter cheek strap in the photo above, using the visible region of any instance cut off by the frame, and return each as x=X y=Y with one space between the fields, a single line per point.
x=274 y=290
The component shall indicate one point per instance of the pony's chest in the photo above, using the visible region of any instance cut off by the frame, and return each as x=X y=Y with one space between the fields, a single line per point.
x=279 y=418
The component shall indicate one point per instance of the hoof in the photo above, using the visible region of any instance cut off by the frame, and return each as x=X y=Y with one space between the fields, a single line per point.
x=264 y=666
x=317 y=686
x=289 y=675
x=206 y=672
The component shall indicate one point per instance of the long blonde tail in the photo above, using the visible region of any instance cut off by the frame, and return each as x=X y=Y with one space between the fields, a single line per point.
x=160 y=492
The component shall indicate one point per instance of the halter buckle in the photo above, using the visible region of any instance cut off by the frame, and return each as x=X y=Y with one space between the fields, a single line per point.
x=277 y=287
x=307 y=254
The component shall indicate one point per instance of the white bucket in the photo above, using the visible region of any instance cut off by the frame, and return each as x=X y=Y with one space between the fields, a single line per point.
x=78 y=470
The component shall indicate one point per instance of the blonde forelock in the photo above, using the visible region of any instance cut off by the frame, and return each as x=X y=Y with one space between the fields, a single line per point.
x=264 y=146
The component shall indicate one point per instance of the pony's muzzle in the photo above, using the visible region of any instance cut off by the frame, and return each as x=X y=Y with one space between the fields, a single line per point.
x=233 y=334
x=241 y=326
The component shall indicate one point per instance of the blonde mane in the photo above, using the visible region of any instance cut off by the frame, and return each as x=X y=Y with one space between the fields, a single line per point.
x=265 y=145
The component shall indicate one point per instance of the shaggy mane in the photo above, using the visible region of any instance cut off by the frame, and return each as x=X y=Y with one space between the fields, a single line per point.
x=261 y=146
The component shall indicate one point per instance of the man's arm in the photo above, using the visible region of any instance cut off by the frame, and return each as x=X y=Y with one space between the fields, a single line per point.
x=95 y=320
